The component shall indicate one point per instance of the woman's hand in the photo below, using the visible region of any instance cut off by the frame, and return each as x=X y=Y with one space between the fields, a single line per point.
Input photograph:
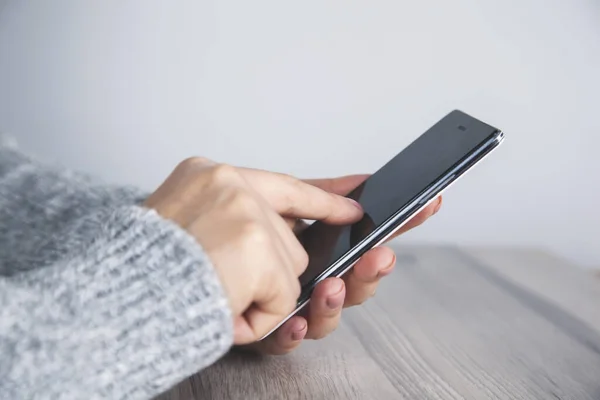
x=333 y=294
x=238 y=217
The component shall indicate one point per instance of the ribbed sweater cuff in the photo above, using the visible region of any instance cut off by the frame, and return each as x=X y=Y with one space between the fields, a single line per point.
x=140 y=303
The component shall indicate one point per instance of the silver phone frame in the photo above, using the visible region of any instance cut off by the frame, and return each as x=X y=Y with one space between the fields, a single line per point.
x=422 y=201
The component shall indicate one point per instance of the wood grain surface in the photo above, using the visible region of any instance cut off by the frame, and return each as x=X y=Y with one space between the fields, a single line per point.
x=448 y=324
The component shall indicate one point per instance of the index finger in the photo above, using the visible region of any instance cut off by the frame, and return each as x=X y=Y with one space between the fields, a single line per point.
x=293 y=198
x=341 y=185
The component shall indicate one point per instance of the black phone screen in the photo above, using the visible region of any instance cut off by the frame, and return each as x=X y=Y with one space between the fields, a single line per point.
x=391 y=188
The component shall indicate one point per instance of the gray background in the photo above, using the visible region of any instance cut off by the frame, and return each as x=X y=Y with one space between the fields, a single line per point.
x=125 y=89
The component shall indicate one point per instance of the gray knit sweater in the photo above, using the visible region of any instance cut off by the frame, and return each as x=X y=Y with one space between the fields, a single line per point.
x=99 y=297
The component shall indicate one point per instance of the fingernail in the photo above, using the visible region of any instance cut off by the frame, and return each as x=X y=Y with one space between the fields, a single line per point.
x=438 y=206
x=355 y=204
x=387 y=270
x=299 y=332
x=337 y=300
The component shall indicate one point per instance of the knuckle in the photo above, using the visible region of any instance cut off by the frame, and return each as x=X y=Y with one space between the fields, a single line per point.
x=223 y=173
x=254 y=234
x=241 y=201
x=289 y=204
x=295 y=196
x=191 y=163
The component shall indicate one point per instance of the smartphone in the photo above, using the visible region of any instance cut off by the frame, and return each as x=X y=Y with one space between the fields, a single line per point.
x=394 y=194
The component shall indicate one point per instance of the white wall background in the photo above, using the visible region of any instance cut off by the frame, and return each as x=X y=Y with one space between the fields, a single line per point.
x=125 y=89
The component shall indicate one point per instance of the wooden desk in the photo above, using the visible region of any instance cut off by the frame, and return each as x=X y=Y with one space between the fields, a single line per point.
x=448 y=324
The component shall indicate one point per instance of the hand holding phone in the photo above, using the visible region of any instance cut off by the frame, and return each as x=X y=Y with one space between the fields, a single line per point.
x=394 y=194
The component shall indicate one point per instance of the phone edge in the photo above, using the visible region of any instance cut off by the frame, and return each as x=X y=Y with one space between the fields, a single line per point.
x=496 y=141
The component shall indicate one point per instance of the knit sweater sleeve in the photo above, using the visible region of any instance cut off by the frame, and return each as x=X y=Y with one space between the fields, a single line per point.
x=99 y=297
